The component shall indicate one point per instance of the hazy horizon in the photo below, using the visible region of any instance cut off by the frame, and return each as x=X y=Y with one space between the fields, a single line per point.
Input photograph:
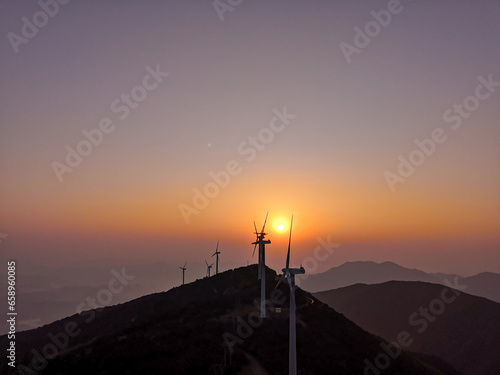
x=334 y=130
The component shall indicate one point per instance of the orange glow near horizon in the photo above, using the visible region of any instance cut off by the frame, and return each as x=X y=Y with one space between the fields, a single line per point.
x=142 y=223
x=357 y=215
x=241 y=126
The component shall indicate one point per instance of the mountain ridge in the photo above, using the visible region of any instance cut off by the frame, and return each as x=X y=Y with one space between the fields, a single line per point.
x=484 y=284
x=458 y=327
x=198 y=327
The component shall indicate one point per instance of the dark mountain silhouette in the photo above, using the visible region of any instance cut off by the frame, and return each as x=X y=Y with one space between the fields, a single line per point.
x=485 y=284
x=465 y=332
x=351 y=273
x=44 y=298
x=183 y=331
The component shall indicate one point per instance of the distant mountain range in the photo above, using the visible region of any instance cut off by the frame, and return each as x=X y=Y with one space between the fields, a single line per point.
x=44 y=298
x=212 y=326
x=485 y=284
x=462 y=329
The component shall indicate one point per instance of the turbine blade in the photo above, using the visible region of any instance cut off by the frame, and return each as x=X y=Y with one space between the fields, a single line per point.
x=185 y=264
x=265 y=221
x=279 y=281
x=255 y=226
x=289 y=241
x=254 y=250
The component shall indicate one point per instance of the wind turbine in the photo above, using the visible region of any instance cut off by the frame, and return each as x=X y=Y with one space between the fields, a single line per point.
x=183 y=268
x=217 y=252
x=262 y=264
x=208 y=268
x=289 y=274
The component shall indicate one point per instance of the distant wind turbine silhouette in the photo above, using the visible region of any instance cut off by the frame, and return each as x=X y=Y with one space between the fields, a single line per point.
x=183 y=268
x=208 y=268
x=262 y=264
x=289 y=274
x=217 y=252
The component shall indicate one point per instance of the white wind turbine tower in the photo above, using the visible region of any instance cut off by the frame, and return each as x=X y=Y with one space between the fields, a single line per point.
x=217 y=252
x=208 y=268
x=183 y=268
x=262 y=264
x=289 y=274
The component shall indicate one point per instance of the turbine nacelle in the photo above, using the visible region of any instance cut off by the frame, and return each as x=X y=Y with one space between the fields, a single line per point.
x=209 y=266
x=216 y=254
x=183 y=268
x=216 y=249
x=261 y=269
x=260 y=236
x=294 y=271
x=289 y=275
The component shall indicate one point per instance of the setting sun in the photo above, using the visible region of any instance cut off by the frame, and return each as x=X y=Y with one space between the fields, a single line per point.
x=279 y=224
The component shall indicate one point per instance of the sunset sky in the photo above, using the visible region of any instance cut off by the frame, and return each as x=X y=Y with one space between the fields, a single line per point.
x=228 y=76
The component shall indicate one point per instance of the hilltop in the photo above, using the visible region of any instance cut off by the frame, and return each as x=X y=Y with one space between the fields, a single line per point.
x=199 y=327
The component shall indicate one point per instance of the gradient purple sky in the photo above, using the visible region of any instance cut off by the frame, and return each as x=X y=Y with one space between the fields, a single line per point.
x=226 y=77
